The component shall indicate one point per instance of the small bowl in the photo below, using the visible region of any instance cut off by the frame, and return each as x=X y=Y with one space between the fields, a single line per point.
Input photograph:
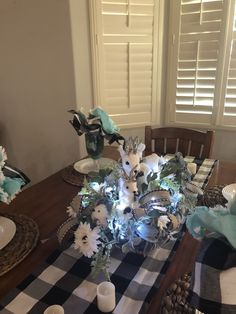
x=229 y=191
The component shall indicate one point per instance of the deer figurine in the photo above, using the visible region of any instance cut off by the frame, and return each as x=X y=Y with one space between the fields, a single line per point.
x=128 y=189
x=131 y=156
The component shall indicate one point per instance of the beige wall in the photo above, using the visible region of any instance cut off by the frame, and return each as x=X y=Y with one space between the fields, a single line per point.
x=36 y=85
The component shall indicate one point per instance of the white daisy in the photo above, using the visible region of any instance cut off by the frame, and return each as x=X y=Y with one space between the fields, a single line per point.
x=71 y=213
x=100 y=214
x=163 y=221
x=3 y=156
x=86 y=239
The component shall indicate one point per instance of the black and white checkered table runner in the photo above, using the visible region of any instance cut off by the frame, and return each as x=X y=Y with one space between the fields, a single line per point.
x=204 y=169
x=64 y=278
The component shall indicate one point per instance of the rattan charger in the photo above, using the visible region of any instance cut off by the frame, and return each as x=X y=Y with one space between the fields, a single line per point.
x=23 y=242
x=70 y=175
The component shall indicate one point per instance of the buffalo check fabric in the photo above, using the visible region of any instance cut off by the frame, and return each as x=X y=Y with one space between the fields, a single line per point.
x=204 y=169
x=214 y=278
x=65 y=279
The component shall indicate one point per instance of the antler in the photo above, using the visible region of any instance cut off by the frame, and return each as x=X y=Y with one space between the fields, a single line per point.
x=131 y=145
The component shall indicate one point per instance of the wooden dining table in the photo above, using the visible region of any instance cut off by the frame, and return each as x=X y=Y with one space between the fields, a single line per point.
x=46 y=203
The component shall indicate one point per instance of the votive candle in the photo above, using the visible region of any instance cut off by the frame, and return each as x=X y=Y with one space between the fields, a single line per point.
x=106 y=298
x=54 y=309
x=192 y=167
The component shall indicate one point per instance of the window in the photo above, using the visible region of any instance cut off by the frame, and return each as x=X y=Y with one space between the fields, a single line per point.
x=202 y=63
x=125 y=59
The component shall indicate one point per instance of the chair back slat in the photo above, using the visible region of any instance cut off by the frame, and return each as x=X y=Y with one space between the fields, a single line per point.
x=160 y=142
x=184 y=146
x=170 y=140
x=171 y=145
x=195 y=149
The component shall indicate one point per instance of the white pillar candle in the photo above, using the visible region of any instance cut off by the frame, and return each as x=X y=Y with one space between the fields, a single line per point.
x=192 y=167
x=106 y=298
x=54 y=309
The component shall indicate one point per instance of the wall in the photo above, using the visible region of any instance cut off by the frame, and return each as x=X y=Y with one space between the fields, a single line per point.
x=79 y=14
x=37 y=86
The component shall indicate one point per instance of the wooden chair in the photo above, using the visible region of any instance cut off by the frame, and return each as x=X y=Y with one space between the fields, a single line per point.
x=172 y=140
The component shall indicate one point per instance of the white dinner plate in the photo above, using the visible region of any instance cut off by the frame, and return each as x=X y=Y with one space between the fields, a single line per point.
x=229 y=191
x=86 y=165
x=7 y=231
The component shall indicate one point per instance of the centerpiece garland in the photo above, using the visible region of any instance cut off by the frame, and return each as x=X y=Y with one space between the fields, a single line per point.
x=136 y=205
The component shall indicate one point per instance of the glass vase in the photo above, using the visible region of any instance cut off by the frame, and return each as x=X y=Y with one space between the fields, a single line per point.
x=94 y=145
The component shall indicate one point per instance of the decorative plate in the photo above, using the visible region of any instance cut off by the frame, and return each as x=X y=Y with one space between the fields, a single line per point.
x=24 y=241
x=7 y=231
x=229 y=191
x=86 y=165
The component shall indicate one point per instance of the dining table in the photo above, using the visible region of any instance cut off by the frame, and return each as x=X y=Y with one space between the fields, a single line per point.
x=46 y=202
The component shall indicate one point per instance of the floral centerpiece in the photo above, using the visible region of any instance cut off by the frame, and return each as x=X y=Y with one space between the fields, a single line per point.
x=135 y=205
x=11 y=179
x=97 y=126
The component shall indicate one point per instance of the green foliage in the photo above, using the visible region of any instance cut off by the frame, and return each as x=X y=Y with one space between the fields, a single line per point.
x=101 y=262
x=123 y=227
x=99 y=176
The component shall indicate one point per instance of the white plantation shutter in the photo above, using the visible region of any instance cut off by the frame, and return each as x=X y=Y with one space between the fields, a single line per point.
x=202 y=63
x=229 y=101
x=125 y=59
x=196 y=35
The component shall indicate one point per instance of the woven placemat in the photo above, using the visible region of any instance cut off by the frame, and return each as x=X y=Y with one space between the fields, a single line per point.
x=23 y=242
x=213 y=196
x=174 y=300
x=70 y=175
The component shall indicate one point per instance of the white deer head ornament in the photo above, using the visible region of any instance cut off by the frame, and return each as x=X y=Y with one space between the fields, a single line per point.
x=131 y=154
x=128 y=188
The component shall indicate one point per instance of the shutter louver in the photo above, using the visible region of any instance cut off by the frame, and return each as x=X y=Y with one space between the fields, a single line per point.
x=198 y=47
x=126 y=46
x=229 y=116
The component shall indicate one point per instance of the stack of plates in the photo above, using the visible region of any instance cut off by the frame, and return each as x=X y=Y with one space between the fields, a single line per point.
x=86 y=165
x=7 y=231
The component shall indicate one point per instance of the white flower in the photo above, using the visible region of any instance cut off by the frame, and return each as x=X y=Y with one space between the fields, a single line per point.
x=163 y=221
x=100 y=214
x=86 y=239
x=71 y=213
x=3 y=156
x=97 y=187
